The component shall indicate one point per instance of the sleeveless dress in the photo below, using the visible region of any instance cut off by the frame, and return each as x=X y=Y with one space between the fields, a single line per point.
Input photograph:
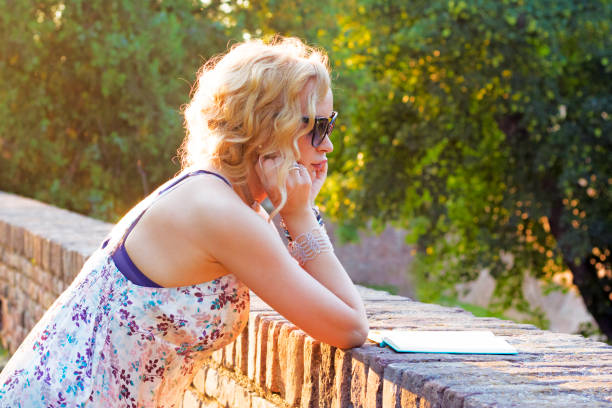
x=110 y=342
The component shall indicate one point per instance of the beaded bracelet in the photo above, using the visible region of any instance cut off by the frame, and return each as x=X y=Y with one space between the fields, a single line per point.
x=309 y=245
x=317 y=214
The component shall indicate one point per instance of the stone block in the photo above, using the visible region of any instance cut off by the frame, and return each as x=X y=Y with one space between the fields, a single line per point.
x=229 y=355
x=4 y=253
x=374 y=389
x=258 y=402
x=36 y=273
x=190 y=400
x=17 y=239
x=409 y=399
x=78 y=260
x=39 y=311
x=199 y=380
x=59 y=285
x=258 y=340
x=253 y=329
x=37 y=249
x=292 y=361
x=210 y=404
x=359 y=380
x=327 y=375
x=23 y=284
x=227 y=391
x=273 y=374
x=5 y=234
x=342 y=379
x=28 y=244
x=32 y=290
x=55 y=258
x=217 y=356
x=211 y=384
x=47 y=299
x=45 y=278
x=13 y=261
x=4 y=280
x=67 y=265
x=258 y=353
x=25 y=319
x=391 y=390
x=241 y=358
x=312 y=363
x=45 y=253
x=27 y=269
x=242 y=397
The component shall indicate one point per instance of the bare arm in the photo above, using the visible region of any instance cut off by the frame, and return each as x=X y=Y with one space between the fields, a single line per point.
x=325 y=267
x=329 y=310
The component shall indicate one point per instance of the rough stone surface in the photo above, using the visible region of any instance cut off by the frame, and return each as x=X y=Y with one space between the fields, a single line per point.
x=359 y=381
x=273 y=374
x=42 y=248
x=312 y=363
x=191 y=400
x=292 y=359
x=274 y=364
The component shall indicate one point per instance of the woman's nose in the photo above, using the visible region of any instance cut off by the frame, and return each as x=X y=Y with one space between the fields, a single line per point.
x=327 y=146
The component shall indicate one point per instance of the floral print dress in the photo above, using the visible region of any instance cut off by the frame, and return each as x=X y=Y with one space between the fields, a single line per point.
x=107 y=342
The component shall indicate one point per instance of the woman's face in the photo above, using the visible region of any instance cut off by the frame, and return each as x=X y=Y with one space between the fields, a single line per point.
x=314 y=158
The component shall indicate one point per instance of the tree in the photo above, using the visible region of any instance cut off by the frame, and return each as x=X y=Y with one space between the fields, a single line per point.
x=484 y=128
x=309 y=20
x=89 y=110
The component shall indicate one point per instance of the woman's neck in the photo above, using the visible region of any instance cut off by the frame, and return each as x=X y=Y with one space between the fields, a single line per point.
x=252 y=192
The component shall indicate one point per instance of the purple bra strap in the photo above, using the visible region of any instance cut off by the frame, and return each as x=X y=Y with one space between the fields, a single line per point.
x=120 y=256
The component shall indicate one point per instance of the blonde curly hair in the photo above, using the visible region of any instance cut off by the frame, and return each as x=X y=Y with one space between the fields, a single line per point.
x=246 y=104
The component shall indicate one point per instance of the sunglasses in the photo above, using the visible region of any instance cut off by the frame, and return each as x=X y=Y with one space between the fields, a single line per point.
x=322 y=128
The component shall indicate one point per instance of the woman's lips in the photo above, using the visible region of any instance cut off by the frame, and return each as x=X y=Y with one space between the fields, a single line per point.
x=319 y=165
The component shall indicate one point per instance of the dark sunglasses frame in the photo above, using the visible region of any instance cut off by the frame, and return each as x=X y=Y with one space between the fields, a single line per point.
x=322 y=128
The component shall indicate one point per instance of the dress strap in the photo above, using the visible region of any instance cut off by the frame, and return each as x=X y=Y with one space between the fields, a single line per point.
x=120 y=256
x=172 y=185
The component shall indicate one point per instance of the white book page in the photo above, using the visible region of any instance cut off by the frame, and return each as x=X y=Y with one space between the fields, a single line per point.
x=415 y=341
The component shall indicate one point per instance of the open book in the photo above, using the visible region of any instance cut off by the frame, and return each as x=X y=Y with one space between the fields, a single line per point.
x=464 y=342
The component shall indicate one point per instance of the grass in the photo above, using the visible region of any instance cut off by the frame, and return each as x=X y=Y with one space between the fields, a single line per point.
x=450 y=301
x=387 y=288
x=477 y=311
x=4 y=356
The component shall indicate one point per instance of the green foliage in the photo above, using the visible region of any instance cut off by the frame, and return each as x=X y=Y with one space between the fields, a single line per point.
x=387 y=288
x=484 y=128
x=89 y=114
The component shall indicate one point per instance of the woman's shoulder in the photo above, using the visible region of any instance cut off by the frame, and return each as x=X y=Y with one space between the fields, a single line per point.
x=206 y=199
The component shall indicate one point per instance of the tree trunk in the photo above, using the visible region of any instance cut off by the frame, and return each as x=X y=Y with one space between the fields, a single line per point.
x=596 y=297
x=595 y=292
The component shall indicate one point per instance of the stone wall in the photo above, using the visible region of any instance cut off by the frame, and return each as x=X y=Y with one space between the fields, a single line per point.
x=274 y=364
x=42 y=249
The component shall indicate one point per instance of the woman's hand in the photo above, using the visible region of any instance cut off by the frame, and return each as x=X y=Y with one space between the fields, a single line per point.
x=298 y=184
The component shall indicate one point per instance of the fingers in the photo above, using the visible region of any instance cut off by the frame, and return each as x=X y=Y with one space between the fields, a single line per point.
x=298 y=174
x=267 y=171
x=298 y=187
x=298 y=181
x=296 y=168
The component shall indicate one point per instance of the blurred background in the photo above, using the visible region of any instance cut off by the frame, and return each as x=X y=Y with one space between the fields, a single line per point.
x=472 y=161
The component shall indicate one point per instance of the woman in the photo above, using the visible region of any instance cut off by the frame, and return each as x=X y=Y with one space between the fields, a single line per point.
x=172 y=282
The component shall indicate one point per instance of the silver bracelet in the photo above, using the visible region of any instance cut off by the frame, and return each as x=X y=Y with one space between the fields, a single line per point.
x=309 y=245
